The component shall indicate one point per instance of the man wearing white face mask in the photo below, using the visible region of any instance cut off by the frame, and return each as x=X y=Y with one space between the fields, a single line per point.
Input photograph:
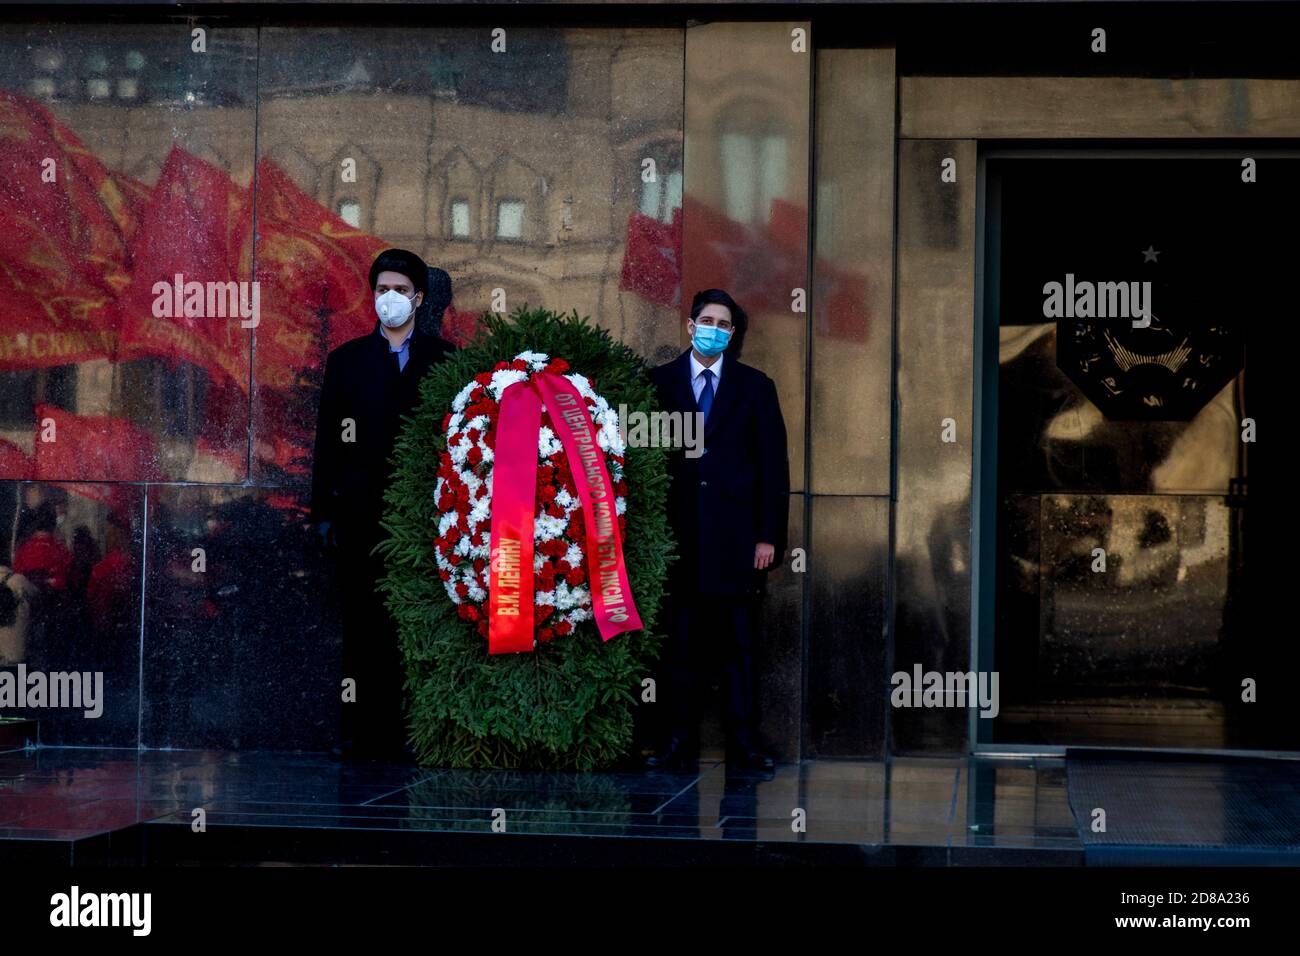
x=370 y=383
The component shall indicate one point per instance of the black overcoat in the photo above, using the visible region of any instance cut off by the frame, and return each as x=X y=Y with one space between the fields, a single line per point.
x=362 y=382
x=724 y=502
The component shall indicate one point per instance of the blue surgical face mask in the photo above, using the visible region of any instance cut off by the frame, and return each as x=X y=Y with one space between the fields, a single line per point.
x=710 y=340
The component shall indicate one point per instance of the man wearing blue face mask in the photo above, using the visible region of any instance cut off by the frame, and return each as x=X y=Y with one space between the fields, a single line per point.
x=370 y=383
x=729 y=510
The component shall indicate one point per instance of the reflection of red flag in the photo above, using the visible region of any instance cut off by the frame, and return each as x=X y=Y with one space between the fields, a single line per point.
x=129 y=199
x=14 y=462
x=459 y=328
x=61 y=243
x=762 y=265
x=92 y=448
x=196 y=225
x=787 y=227
x=651 y=258
x=314 y=273
x=840 y=304
x=313 y=270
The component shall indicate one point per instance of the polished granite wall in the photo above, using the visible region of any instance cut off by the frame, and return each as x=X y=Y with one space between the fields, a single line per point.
x=154 y=468
x=135 y=448
x=290 y=156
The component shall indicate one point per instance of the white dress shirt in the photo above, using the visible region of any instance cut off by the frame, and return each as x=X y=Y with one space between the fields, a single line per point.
x=697 y=380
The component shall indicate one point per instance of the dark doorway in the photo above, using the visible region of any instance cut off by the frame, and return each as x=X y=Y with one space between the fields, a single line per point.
x=1113 y=479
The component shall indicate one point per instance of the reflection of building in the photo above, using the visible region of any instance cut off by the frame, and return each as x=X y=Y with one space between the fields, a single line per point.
x=519 y=182
x=525 y=184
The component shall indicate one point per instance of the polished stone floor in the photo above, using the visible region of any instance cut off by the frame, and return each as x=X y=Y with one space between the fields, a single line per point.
x=69 y=805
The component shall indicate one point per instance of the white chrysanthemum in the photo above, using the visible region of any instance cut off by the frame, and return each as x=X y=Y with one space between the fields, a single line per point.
x=548 y=444
x=612 y=437
x=503 y=379
x=462 y=397
x=573 y=604
x=581 y=383
x=548 y=527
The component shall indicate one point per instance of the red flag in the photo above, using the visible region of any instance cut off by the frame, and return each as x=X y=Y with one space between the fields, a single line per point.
x=459 y=328
x=652 y=257
x=14 y=462
x=313 y=270
x=61 y=243
x=92 y=448
x=126 y=199
x=764 y=264
x=196 y=226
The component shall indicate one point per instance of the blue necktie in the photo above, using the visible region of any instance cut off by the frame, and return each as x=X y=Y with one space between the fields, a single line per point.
x=705 y=401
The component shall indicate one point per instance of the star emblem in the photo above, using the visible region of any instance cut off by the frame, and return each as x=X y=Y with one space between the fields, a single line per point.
x=1149 y=254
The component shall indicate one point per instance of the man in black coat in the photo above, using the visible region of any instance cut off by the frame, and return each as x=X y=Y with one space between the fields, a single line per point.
x=370 y=383
x=729 y=509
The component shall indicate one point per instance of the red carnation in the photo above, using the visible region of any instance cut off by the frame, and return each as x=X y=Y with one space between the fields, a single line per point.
x=564 y=627
x=483 y=378
x=462 y=591
x=474 y=456
x=557 y=366
x=545 y=634
x=483 y=628
x=446 y=421
x=576 y=576
x=554 y=548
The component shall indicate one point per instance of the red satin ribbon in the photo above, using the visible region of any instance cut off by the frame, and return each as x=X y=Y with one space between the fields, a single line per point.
x=514 y=491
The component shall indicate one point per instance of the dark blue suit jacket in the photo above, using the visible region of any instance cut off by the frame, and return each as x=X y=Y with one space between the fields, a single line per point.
x=736 y=494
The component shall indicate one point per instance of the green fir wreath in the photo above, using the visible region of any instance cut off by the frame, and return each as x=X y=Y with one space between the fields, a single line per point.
x=567 y=705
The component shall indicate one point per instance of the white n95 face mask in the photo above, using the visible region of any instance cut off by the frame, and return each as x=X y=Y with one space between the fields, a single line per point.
x=393 y=308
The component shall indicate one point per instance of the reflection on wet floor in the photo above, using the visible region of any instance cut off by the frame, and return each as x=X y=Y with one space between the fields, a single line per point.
x=65 y=795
